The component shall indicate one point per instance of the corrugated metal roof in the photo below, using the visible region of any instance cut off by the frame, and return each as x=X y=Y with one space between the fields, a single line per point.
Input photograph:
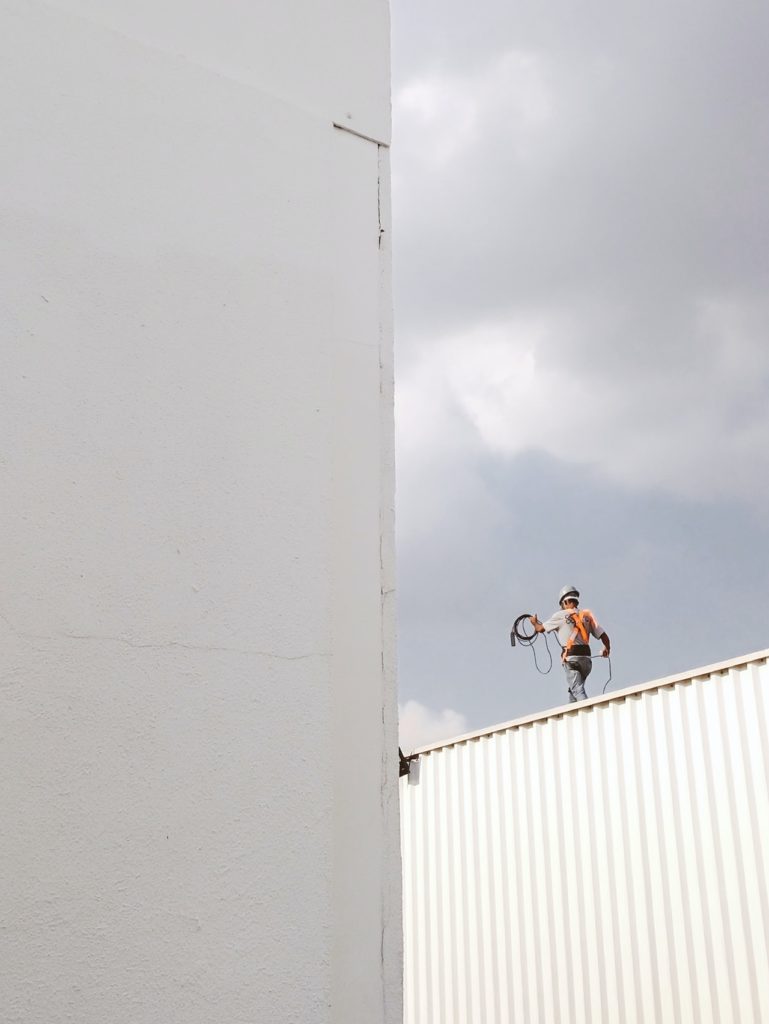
x=597 y=863
x=615 y=695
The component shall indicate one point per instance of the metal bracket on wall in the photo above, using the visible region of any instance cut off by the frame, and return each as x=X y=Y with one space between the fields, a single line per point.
x=360 y=135
x=406 y=763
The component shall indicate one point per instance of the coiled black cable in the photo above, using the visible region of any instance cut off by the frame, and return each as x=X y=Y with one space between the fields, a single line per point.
x=528 y=640
x=609 y=679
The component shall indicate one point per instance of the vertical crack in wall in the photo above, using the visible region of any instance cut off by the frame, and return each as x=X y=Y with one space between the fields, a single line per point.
x=379 y=204
x=390 y=923
x=390 y=928
x=382 y=602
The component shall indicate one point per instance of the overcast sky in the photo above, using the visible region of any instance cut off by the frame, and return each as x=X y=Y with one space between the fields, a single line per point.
x=581 y=259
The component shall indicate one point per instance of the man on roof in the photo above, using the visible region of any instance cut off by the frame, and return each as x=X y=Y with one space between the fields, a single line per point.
x=574 y=629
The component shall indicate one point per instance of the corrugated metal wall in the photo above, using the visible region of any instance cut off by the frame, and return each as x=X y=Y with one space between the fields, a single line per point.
x=601 y=865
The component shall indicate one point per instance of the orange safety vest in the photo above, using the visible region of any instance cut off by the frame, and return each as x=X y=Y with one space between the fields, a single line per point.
x=582 y=621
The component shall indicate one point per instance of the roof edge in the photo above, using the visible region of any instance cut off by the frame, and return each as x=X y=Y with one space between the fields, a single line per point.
x=616 y=695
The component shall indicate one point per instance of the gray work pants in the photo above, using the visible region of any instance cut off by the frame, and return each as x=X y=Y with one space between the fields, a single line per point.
x=577 y=670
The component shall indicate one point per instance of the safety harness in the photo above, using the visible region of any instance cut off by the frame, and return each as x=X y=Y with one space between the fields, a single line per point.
x=527 y=637
x=582 y=621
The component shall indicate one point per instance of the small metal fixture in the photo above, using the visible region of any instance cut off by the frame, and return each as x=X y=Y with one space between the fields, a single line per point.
x=406 y=762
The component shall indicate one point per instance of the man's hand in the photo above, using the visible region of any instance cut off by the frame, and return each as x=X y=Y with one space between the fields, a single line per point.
x=605 y=652
x=533 y=619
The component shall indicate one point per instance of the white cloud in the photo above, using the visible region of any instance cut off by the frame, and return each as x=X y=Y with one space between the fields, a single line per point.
x=420 y=725
x=693 y=424
x=440 y=116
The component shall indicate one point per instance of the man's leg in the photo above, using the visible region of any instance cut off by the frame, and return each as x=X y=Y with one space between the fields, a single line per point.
x=576 y=673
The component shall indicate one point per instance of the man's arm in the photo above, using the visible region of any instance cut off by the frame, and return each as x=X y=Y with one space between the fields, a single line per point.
x=544 y=627
x=604 y=638
x=600 y=634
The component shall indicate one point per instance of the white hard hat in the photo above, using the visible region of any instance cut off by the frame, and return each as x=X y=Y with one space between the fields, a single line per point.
x=568 y=592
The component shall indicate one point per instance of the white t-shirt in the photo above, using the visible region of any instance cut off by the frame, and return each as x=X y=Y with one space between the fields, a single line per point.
x=562 y=621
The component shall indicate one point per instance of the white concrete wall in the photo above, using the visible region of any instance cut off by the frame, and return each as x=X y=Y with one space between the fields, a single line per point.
x=198 y=740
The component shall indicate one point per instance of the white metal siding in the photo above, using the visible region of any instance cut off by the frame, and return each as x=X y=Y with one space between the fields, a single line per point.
x=606 y=864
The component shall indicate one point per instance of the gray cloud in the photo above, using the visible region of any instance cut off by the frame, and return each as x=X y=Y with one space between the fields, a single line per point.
x=618 y=162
